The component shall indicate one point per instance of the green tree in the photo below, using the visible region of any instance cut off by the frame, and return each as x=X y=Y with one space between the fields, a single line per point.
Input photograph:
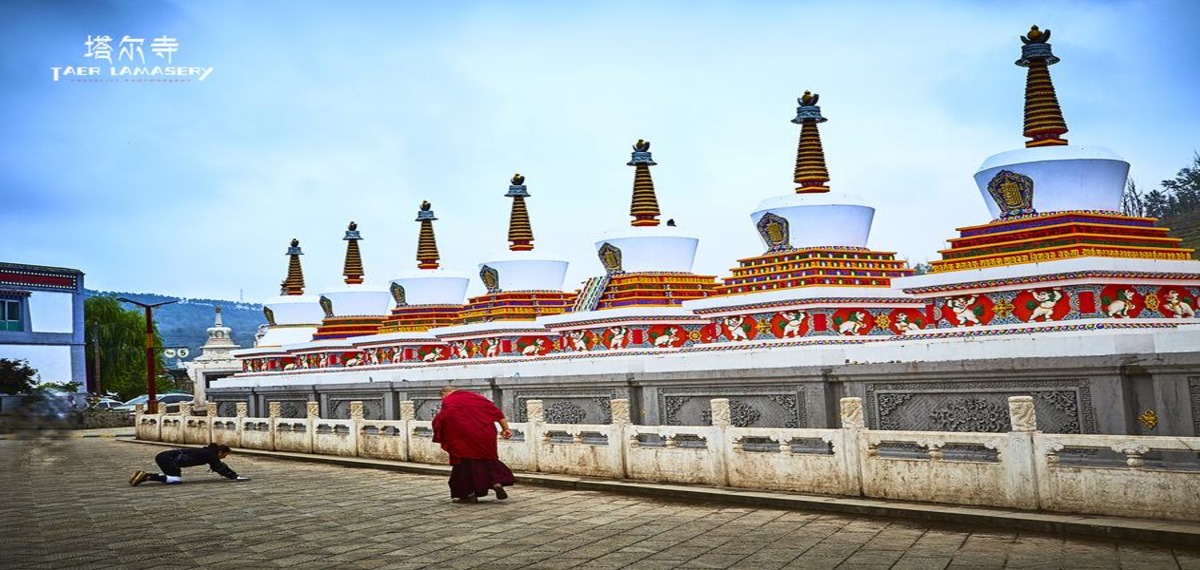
x=1133 y=203
x=16 y=376
x=119 y=336
x=1185 y=187
x=922 y=268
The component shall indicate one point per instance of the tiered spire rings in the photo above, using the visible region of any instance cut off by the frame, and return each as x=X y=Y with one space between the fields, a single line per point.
x=427 y=251
x=811 y=176
x=1044 y=124
x=644 y=208
x=520 y=233
x=294 y=284
x=353 y=268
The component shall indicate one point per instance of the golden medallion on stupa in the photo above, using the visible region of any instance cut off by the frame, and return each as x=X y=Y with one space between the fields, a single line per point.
x=327 y=306
x=610 y=257
x=774 y=230
x=490 y=278
x=398 y=294
x=1012 y=192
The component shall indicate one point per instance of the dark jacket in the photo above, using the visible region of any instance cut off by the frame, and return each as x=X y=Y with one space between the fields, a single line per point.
x=191 y=457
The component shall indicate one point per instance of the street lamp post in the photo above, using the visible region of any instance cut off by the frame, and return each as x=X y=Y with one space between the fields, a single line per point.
x=151 y=403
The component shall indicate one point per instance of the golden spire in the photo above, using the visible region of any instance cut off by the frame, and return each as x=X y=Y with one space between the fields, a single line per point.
x=427 y=251
x=520 y=233
x=644 y=208
x=1044 y=124
x=294 y=284
x=811 y=176
x=353 y=269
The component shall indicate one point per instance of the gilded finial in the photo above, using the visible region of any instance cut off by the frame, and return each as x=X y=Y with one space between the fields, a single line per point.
x=520 y=233
x=811 y=176
x=427 y=250
x=644 y=208
x=1044 y=123
x=353 y=268
x=1035 y=36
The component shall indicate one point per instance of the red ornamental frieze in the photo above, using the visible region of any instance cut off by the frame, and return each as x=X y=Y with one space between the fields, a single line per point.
x=967 y=310
x=1041 y=305
x=433 y=353
x=1174 y=302
x=534 y=345
x=706 y=334
x=737 y=327
x=790 y=324
x=491 y=347
x=847 y=321
x=463 y=349
x=1121 y=301
x=904 y=321
x=617 y=337
x=667 y=336
x=582 y=340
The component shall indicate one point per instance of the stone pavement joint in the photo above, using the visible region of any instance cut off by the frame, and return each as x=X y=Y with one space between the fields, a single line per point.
x=1114 y=528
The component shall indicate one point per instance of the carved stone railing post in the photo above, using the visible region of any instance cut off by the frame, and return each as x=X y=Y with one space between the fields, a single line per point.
x=1021 y=413
x=241 y=409
x=210 y=409
x=621 y=423
x=535 y=418
x=855 y=447
x=185 y=409
x=852 y=413
x=720 y=412
x=1020 y=465
x=356 y=410
x=534 y=412
x=408 y=413
x=719 y=442
x=312 y=410
x=139 y=409
x=620 y=411
x=274 y=410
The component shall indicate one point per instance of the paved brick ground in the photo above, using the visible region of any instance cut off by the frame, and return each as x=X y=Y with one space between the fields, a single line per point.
x=66 y=503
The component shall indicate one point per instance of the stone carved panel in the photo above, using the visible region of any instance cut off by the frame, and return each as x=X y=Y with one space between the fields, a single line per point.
x=971 y=415
x=339 y=406
x=565 y=412
x=227 y=408
x=596 y=405
x=1061 y=406
x=748 y=407
x=291 y=408
x=1194 y=392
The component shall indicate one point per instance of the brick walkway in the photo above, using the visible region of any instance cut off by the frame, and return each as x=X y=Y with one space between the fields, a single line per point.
x=66 y=503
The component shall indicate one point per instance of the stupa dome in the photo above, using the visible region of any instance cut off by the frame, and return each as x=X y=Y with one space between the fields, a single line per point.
x=826 y=219
x=1062 y=177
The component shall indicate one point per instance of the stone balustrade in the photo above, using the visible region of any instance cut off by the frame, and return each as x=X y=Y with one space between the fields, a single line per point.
x=1143 y=476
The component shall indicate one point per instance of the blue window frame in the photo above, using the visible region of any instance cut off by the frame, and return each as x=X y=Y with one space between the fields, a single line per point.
x=10 y=316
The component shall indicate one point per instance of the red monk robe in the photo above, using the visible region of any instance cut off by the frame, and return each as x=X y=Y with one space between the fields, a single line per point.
x=466 y=429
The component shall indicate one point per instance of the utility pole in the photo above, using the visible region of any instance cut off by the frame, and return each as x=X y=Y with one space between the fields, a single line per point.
x=96 y=386
x=152 y=403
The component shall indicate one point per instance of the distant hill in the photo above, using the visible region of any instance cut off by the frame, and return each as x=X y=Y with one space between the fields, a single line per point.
x=186 y=322
x=1185 y=227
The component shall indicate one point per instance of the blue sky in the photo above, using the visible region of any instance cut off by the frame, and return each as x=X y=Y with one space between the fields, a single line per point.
x=318 y=113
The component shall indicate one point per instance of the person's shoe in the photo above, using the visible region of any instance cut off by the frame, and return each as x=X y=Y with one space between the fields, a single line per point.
x=467 y=499
x=501 y=494
x=138 y=478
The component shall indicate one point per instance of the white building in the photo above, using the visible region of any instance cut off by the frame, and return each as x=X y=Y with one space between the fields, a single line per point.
x=41 y=320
